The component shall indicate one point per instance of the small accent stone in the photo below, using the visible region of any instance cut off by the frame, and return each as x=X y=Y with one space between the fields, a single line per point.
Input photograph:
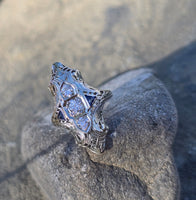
x=90 y=99
x=83 y=123
x=61 y=116
x=75 y=106
x=67 y=90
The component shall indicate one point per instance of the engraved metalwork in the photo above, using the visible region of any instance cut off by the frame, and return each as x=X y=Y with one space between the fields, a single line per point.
x=79 y=106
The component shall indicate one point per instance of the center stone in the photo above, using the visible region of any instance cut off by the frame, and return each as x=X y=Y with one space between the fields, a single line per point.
x=75 y=106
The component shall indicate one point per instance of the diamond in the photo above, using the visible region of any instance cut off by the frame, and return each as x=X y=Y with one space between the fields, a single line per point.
x=83 y=123
x=67 y=90
x=75 y=106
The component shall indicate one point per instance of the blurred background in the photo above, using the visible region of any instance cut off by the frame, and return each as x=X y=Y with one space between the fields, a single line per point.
x=101 y=39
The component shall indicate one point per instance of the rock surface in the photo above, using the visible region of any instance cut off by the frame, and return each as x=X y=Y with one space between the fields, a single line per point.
x=138 y=161
x=178 y=72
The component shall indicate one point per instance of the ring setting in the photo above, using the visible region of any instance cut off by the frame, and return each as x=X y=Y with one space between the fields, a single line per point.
x=78 y=106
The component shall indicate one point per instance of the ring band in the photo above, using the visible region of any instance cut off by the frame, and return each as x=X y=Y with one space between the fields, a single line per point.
x=79 y=106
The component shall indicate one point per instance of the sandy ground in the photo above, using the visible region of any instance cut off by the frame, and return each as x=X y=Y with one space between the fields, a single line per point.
x=102 y=39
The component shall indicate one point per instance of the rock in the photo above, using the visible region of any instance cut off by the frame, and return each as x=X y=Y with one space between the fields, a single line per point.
x=178 y=72
x=138 y=161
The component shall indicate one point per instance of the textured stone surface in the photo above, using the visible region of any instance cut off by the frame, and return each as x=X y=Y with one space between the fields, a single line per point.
x=138 y=161
x=116 y=36
x=178 y=72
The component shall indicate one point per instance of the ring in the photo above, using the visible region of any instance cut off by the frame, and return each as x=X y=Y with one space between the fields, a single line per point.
x=79 y=106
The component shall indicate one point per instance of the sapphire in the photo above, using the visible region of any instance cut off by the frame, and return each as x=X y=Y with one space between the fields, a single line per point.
x=61 y=116
x=90 y=99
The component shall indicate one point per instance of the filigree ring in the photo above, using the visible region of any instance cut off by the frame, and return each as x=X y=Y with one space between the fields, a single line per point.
x=79 y=106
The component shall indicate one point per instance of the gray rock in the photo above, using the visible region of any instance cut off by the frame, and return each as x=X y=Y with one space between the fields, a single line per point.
x=138 y=161
x=178 y=72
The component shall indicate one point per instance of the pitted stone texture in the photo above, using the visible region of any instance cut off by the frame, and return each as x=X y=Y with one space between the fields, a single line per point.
x=66 y=172
x=143 y=120
x=138 y=162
